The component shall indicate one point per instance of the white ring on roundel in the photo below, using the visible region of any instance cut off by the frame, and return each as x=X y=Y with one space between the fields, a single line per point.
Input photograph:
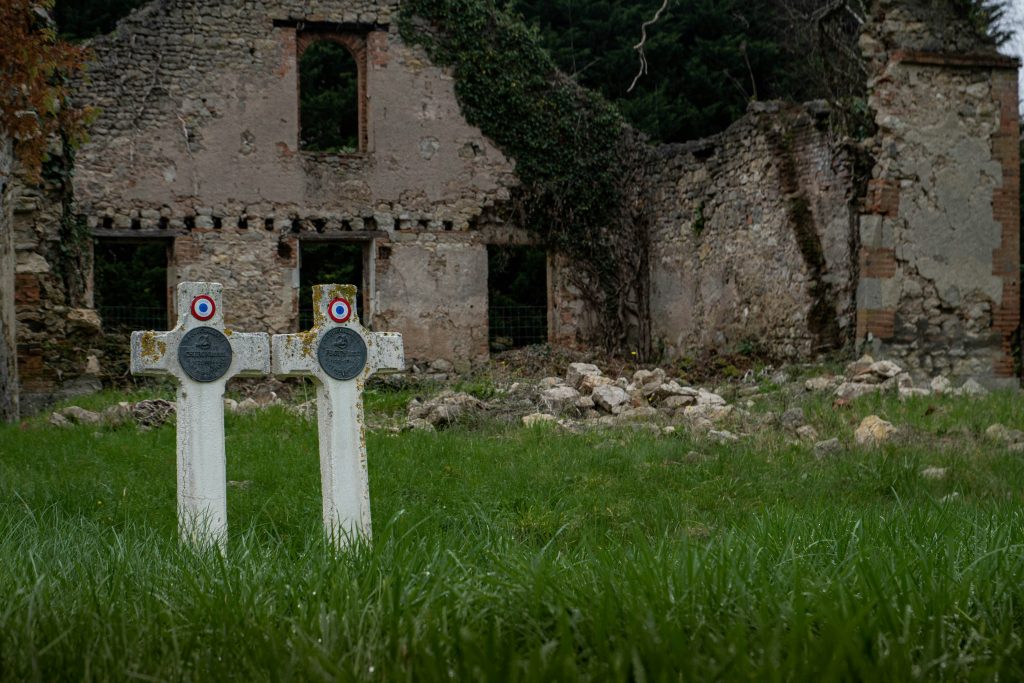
x=339 y=310
x=203 y=307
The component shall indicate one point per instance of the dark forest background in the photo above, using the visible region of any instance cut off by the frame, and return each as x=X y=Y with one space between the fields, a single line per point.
x=706 y=58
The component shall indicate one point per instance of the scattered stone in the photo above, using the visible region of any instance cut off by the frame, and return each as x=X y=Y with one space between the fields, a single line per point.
x=848 y=391
x=231 y=405
x=585 y=403
x=860 y=366
x=934 y=473
x=578 y=371
x=419 y=424
x=443 y=366
x=538 y=419
x=305 y=411
x=941 y=385
x=591 y=382
x=711 y=413
x=972 y=388
x=152 y=413
x=825 y=449
x=610 y=397
x=640 y=413
x=444 y=409
x=874 y=431
x=792 y=419
x=678 y=401
x=706 y=398
x=81 y=416
x=58 y=420
x=559 y=398
x=722 y=436
x=117 y=415
x=823 y=383
x=907 y=393
x=668 y=430
x=247 y=406
x=1003 y=434
x=807 y=433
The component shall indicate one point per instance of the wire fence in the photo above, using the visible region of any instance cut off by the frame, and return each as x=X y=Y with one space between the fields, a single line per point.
x=134 y=317
x=514 y=326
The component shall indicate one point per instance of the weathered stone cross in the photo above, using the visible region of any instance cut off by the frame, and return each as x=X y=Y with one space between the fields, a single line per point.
x=202 y=356
x=340 y=355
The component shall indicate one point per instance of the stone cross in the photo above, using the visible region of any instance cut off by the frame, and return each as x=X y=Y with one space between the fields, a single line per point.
x=202 y=356
x=340 y=355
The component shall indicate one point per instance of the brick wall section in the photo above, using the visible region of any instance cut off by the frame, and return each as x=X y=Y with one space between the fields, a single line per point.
x=1006 y=210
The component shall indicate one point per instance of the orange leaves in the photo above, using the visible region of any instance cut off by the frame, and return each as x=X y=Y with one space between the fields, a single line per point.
x=35 y=66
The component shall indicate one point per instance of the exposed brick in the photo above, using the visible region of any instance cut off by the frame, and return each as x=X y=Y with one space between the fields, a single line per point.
x=883 y=197
x=877 y=262
x=879 y=323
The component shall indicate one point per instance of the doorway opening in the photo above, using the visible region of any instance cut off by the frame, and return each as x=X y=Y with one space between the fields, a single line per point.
x=517 y=288
x=322 y=263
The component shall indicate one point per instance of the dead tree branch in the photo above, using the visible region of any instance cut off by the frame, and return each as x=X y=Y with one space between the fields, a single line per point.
x=639 y=47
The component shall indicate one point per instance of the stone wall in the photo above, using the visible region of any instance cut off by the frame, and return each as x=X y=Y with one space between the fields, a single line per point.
x=58 y=332
x=751 y=245
x=8 y=339
x=197 y=140
x=939 y=258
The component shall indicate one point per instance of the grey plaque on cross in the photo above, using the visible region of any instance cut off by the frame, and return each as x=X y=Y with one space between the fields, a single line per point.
x=342 y=353
x=205 y=354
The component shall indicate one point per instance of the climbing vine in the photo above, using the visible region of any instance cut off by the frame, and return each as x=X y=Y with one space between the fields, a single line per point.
x=573 y=151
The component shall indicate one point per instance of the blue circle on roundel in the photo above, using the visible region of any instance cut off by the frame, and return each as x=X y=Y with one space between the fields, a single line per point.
x=339 y=310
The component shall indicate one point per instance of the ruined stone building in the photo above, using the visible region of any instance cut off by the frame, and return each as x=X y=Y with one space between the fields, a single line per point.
x=761 y=233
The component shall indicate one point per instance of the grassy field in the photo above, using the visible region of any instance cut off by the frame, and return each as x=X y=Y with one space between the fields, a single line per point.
x=505 y=553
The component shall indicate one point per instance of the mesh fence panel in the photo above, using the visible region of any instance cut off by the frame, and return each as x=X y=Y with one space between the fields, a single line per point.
x=134 y=317
x=519 y=325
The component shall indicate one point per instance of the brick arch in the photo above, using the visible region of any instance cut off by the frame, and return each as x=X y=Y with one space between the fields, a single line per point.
x=355 y=43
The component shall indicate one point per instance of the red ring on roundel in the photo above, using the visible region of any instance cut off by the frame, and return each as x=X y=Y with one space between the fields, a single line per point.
x=203 y=307
x=342 y=313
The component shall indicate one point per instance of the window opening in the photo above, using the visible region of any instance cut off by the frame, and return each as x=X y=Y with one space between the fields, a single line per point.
x=322 y=263
x=518 y=296
x=130 y=283
x=329 y=98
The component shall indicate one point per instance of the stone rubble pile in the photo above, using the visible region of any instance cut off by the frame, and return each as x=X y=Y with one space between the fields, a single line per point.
x=866 y=376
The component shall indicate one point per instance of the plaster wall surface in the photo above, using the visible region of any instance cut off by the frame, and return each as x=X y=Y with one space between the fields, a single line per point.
x=8 y=322
x=939 y=288
x=751 y=243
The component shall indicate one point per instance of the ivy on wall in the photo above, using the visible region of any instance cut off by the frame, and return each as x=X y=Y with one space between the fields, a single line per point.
x=575 y=156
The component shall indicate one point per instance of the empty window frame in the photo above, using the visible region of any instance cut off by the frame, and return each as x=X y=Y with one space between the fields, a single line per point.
x=130 y=283
x=331 y=103
x=517 y=289
x=331 y=262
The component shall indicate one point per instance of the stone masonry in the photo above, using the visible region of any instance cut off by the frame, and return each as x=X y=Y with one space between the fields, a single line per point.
x=761 y=237
x=939 y=287
x=8 y=346
x=751 y=243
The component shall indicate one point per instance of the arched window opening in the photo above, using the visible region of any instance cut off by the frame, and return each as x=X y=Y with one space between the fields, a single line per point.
x=329 y=98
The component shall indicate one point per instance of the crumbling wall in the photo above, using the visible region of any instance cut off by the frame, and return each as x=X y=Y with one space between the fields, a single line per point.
x=58 y=332
x=198 y=139
x=939 y=257
x=751 y=243
x=8 y=339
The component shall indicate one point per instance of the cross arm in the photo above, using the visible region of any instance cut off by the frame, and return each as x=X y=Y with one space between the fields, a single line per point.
x=151 y=353
x=251 y=351
x=294 y=355
x=386 y=352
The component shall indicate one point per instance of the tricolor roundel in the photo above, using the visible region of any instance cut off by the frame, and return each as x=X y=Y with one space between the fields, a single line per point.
x=203 y=307
x=340 y=310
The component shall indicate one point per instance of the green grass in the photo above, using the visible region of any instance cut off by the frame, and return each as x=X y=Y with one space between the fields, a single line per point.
x=508 y=554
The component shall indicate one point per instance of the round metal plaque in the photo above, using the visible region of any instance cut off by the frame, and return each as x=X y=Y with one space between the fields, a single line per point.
x=342 y=353
x=204 y=354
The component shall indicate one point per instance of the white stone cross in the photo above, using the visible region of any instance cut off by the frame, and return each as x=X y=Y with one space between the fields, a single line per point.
x=340 y=355
x=202 y=356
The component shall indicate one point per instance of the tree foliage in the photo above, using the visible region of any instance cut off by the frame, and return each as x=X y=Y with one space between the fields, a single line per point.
x=328 y=86
x=34 y=67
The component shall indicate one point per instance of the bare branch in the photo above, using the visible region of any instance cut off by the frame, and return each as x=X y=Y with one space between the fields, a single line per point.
x=639 y=47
